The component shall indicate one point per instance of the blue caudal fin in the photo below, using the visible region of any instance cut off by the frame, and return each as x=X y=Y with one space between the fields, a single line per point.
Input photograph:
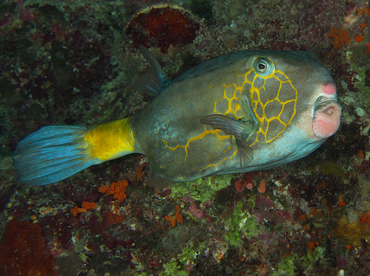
x=51 y=154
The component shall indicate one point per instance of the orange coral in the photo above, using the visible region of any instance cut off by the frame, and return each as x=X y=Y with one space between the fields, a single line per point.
x=365 y=11
x=88 y=205
x=176 y=218
x=359 y=38
x=303 y=217
x=340 y=37
x=365 y=218
x=262 y=187
x=219 y=257
x=117 y=189
x=172 y=220
x=85 y=206
x=341 y=202
x=360 y=154
x=75 y=210
x=368 y=48
x=178 y=215
x=311 y=245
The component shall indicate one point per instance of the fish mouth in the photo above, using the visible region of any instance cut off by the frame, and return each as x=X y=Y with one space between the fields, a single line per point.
x=326 y=116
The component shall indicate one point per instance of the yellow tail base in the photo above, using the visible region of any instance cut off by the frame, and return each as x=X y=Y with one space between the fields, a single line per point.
x=111 y=140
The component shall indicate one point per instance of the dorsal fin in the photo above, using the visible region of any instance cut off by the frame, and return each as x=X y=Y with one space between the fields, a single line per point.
x=158 y=80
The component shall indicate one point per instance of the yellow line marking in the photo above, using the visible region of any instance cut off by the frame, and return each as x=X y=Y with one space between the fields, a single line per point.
x=205 y=133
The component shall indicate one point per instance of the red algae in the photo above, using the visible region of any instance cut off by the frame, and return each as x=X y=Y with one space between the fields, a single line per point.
x=113 y=218
x=198 y=213
x=23 y=251
x=163 y=26
x=239 y=186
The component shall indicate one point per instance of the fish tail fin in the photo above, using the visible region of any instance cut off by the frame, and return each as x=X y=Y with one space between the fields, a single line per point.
x=54 y=153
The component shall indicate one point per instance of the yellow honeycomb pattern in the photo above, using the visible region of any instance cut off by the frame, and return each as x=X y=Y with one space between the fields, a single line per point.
x=273 y=110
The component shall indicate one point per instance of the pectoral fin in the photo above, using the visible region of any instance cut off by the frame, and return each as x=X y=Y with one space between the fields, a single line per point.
x=228 y=125
x=239 y=129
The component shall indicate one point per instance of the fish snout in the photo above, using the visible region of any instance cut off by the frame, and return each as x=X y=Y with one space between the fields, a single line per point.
x=327 y=112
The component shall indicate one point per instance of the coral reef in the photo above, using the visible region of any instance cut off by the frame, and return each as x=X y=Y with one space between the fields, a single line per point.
x=77 y=63
x=162 y=26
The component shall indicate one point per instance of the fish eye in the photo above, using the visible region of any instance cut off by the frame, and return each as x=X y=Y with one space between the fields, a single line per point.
x=263 y=66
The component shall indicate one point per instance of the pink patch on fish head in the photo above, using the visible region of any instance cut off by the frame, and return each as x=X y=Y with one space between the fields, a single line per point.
x=329 y=89
x=326 y=119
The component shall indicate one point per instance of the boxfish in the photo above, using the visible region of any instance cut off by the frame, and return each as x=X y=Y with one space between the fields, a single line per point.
x=247 y=111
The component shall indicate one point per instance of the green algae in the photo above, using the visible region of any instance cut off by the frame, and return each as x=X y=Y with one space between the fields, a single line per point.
x=241 y=223
x=173 y=268
x=188 y=255
x=313 y=256
x=252 y=201
x=361 y=84
x=202 y=189
x=286 y=267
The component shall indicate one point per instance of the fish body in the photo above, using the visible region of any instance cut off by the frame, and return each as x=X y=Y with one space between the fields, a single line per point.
x=282 y=99
x=242 y=112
